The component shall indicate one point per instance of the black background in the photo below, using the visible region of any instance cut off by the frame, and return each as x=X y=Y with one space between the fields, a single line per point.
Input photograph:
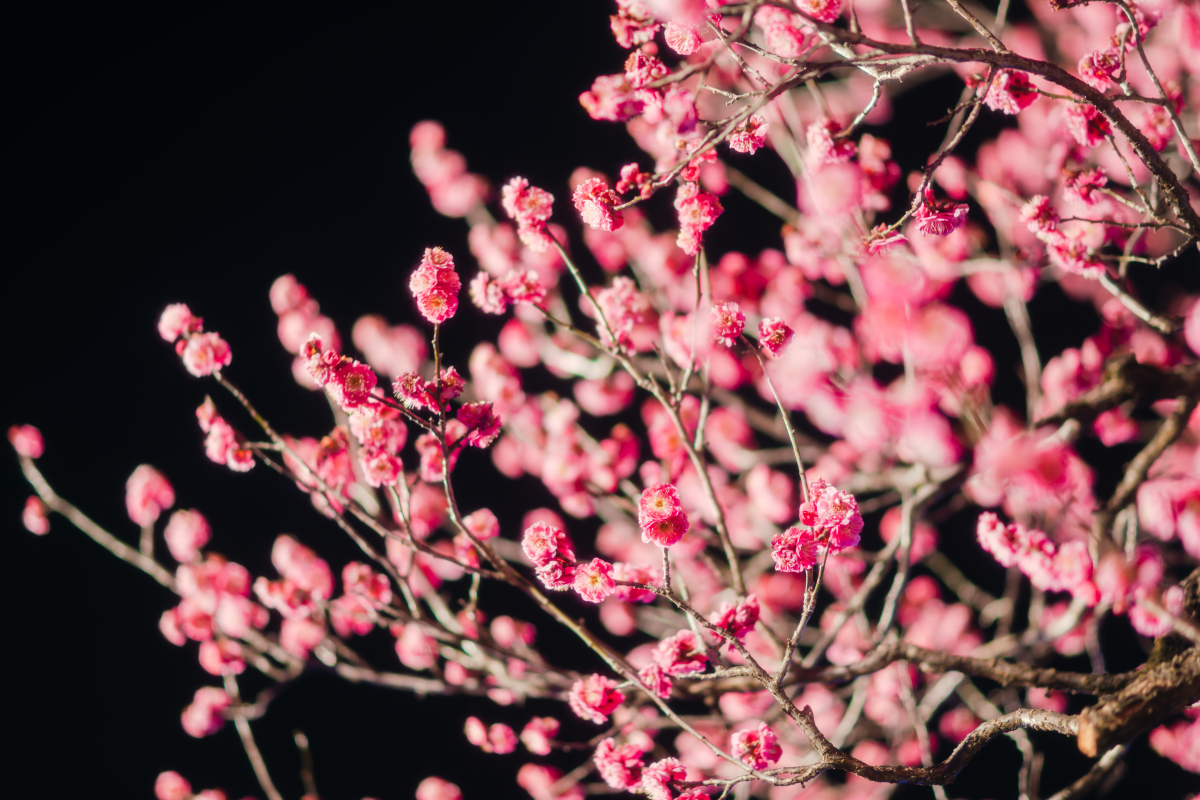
x=192 y=155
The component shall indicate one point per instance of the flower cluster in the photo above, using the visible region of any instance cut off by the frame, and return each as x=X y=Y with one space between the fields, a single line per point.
x=660 y=515
x=530 y=207
x=222 y=444
x=832 y=524
x=435 y=285
x=595 y=697
x=202 y=353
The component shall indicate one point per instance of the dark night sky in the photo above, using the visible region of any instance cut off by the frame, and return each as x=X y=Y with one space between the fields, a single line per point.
x=192 y=154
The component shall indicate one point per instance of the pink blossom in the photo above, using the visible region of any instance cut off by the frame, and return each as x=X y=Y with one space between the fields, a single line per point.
x=658 y=502
x=483 y=524
x=824 y=144
x=203 y=716
x=524 y=286
x=1087 y=124
x=698 y=210
x=681 y=654
x=656 y=680
x=594 y=581
x=939 y=219
x=537 y=734
x=222 y=657
x=657 y=777
x=633 y=178
x=683 y=39
x=1041 y=218
x=595 y=697
x=796 y=549
x=1083 y=187
x=666 y=532
x=414 y=649
x=822 y=10
x=540 y=781
x=482 y=422
x=596 y=204
x=176 y=320
x=1011 y=92
x=435 y=285
x=352 y=614
x=1179 y=742
x=1098 y=68
x=531 y=208
x=171 y=786
x=487 y=295
x=550 y=549
x=301 y=565
x=882 y=240
x=749 y=136
x=757 y=748
x=620 y=767
x=380 y=469
x=832 y=513
x=1071 y=254
x=434 y=788
x=612 y=98
x=351 y=383
x=27 y=441
x=205 y=353
x=738 y=619
x=186 y=533
x=33 y=517
x=774 y=336
x=300 y=636
x=635 y=573
x=727 y=323
x=147 y=495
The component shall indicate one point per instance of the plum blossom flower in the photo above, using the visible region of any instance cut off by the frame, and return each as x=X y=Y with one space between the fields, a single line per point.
x=435 y=285
x=531 y=208
x=738 y=619
x=1011 y=92
x=176 y=320
x=27 y=441
x=774 y=336
x=33 y=517
x=483 y=426
x=186 y=533
x=657 y=776
x=683 y=39
x=172 y=786
x=434 y=788
x=147 y=495
x=594 y=580
x=939 y=219
x=824 y=145
x=595 y=697
x=756 y=747
x=537 y=733
x=203 y=716
x=750 y=136
x=205 y=353
x=681 y=654
x=551 y=551
x=833 y=524
x=596 y=204
x=727 y=323
x=1087 y=124
x=619 y=766
x=698 y=210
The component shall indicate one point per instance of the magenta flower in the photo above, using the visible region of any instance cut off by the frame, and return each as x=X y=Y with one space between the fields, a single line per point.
x=750 y=136
x=595 y=697
x=594 y=581
x=27 y=441
x=620 y=767
x=756 y=747
x=147 y=494
x=727 y=323
x=596 y=204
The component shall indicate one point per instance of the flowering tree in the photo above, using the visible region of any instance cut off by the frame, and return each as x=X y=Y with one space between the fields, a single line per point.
x=747 y=481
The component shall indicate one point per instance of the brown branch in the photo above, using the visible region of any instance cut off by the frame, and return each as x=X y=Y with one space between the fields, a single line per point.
x=1125 y=380
x=1154 y=694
